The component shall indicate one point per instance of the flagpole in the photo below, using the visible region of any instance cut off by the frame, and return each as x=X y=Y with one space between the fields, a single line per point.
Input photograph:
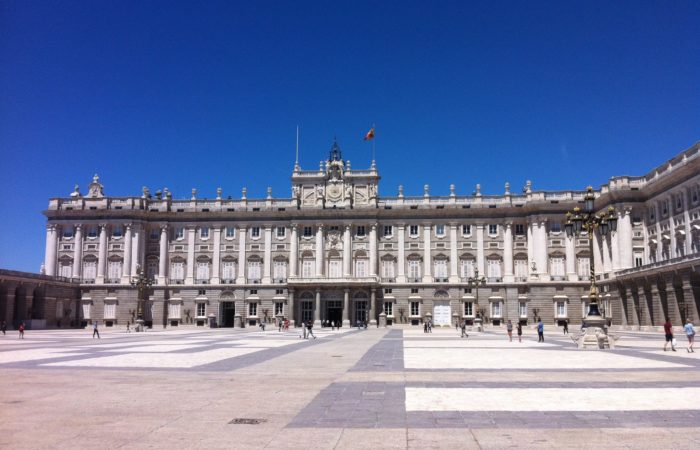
x=374 y=153
x=296 y=159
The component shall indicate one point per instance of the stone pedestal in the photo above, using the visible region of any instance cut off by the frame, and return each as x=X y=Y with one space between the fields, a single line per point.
x=237 y=322
x=140 y=327
x=478 y=324
x=596 y=336
x=382 y=319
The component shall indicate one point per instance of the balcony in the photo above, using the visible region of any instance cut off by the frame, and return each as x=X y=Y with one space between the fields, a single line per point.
x=520 y=279
x=558 y=278
x=228 y=281
x=112 y=280
x=279 y=280
x=414 y=280
x=495 y=279
x=177 y=281
x=441 y=280
x=201 y=281
x=254 y=281
x=388 y=280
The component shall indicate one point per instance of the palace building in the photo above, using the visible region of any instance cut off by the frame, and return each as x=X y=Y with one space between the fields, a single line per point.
x=337 y=251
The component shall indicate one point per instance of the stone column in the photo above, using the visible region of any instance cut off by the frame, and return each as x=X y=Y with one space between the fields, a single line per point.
x=319 y=250
x=51 y=249
x=102 y=255
x=570 y=243
x=531 y=250
x=672 y=228
x=78 y=252
x=290 y=307
x=294 y=252
x=347 y=251
x=373 y=250
x=689 y=296
x=644 y=313
x=189 y=279
x=659 y=313
x=597 y=256
x=625 y=239
x=373 y=307
x=659 y=237
x=241 y=255
x=267 y=262
x=508 y=276
x=346 y=307
x=216 y=263
x=401 y=260
x=541 y=249
x=688 y=231
x=615 y=250
x=317 y=308
x=427 y=257
x=607 y=266
x=454 y=273
x=135 y=247
x=126 y=272
x=480 y=261
x=674 y=310
x=163 y=255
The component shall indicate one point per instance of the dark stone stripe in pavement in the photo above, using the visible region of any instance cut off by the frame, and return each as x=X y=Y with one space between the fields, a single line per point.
x=385 y=355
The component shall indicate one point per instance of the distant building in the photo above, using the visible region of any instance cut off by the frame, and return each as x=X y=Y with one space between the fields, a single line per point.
x=337 y=251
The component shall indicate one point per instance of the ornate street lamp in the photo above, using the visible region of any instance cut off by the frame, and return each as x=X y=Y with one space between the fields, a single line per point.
x=587 y=221
x=143 y=285
x=475 y=282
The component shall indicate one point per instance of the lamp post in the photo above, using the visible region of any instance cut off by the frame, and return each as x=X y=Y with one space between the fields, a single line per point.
x=587 y=220
x=142 y=284
x=475 y=282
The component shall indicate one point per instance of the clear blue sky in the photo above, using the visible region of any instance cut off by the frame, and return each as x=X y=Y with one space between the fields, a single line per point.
x=207 y=94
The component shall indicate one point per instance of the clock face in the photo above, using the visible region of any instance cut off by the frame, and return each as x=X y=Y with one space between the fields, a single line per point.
x=335 y=192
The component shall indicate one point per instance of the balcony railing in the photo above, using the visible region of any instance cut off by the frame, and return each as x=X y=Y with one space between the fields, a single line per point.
x=177 y=281
x=202 y=281
x=254 y=280
x=414 y=280
x=495 y=279
x=279 y=280
x=228 y=281
x=388 y=280
x=441 y=280
x=112 y=280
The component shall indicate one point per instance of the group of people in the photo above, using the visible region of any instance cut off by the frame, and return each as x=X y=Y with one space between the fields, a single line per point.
x=689 y=331
x=307 y=329
x=428 y=326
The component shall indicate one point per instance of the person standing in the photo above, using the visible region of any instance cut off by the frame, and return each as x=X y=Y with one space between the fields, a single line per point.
x=509 y=328
x=303 y=330
x=690 y=334
x=94 y=331
x=540 y=331
x=3 y=327
x=566 y=326
x=128 y=328
x=464 y=329
x=520 y=332
x=668 y=330
x=21 y=330
x=332 y=325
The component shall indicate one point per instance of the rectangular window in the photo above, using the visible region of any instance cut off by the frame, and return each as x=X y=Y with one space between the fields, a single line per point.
x=415 y=308
x=201 y=309
x=177 y=271
x=388 y=291
x=255 y=232
x=204 y=232
x=254 y=270
x=388 y=230
x=68 y=232
x=496 y=309
x=154 y=234
x=65 y=270
x=361 y=230
x=114 y=270
x=556 y=266
x=279 y=308
x=281 y=231
x=230 y=232
x=203 y=271
x=441 y=269
x=92 y=232
x=414 y=269
x=469 y=308
x=466 y=268
x=493 y=229
x=280 y=270
x=174 y=310
x=555 y=227
x=561 y=309
x=117 y=231
x=179 y=233
x=308 y=232
x=413 y=230
x=439 y=230
x=152 y=269
x=89 y=270
x=519 y=229
x=388 y=269
x=86 y=310
x=638 y=259
x=361 y=268
x=110 y=310
x=414 y=290
x=494 y=268
x=307 y=268
x=520 y=269
x=522 y=309
x=253 y=309
x=584 y=267
x=229 y=270
x=334 y=268
x=389 y=308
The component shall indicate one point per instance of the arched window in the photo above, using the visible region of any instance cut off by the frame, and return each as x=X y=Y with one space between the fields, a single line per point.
x=152 y=267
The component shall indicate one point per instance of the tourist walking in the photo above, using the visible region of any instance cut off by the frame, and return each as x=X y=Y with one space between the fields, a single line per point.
x=566 y=326
x=464 y=329
x=690 y=334
x=303 y=330
x=95 y=331
x=3 y=327
x=309 y=329
x=430 y=326
x=21 y=330
x=286 y=324
x=668 y=330
x=520 y=332
x=425 y=326
x=332 y=325
x=540 y=331
x=509 y=328
x=128 y=328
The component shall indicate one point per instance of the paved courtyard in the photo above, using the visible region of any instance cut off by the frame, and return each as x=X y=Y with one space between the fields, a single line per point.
x=380 y=388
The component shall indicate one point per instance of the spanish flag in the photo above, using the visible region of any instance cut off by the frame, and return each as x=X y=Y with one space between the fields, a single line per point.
x=370 y=134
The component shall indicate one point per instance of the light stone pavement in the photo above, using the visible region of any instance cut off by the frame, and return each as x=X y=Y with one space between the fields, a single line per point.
x=380 y=388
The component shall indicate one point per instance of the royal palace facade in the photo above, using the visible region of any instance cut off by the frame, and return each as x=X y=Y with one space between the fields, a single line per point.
x=337 y=251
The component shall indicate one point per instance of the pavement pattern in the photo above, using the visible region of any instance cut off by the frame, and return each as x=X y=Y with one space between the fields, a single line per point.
x=349 y=388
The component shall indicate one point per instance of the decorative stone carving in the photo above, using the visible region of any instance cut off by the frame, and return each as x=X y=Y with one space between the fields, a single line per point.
x=95 y=190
